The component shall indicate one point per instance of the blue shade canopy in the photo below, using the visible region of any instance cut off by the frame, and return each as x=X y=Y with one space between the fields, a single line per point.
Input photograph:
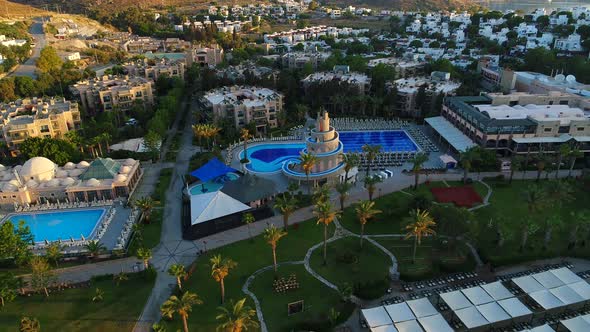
x=212 y=169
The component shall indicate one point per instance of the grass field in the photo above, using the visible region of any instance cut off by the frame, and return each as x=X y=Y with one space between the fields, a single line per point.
x=73 y=309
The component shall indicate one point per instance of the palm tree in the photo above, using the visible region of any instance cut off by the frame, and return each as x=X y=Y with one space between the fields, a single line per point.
x=98 y=295
x=371 y=185
x=564 y=151
x=467 y=158
x=220 y=269
x=178 y=272
x=29 y=325
x=146 y=205
x=106 y=138
x=199 y=132
x=54 y=252
x=579 y=219
x=574 y=154
x=551 y=223
x=420 y=225
x=350 y=160
x=364 y=211
x=560 y=193
x=417 y=162
x=248 y=218
x=96 y=141
x=343 y=189
x=245 y=136
x=321 y=194
x=41 y=275
x=94 y=248
x=272 y=235
x=144 y=254
x=371 y=151
x=515 y=166
x=323 y=211
x=287 y=205
x=535 y=197
x=541 y=163
x=181 y=306
x=120 y=277
x=528 y=227
x=211 y=133
x=308 y=162
x=236 y=317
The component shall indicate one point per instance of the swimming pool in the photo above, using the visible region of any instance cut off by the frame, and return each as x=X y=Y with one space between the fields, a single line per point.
x=213 y=185
x=60 y=225
x=268 y=158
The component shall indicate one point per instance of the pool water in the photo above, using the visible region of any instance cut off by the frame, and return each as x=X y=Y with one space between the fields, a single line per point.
x=60 y=225
x=212 y=185
x=267 y=158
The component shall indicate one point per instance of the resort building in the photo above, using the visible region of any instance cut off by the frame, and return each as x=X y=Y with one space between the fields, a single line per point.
x=538 y=83
x=403 y=68
x=515 y=123
x=36 y=117
x=153 y=69
x=113 y=92
x=40 y=180
x=245 y=104
x=205 y=56
x=341 y=75
x=298 y=60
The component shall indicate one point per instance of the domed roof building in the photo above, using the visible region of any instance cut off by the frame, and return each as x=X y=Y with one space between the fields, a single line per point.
x=38 y=169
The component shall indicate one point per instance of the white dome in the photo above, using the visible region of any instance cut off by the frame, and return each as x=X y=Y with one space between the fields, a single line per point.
x=129 y=162
x=120 y=178
x=69 y=165
x=75 y=172
x=67 y=181
x=2 y=167
x=52 y=183
x=38 y=169
x=83 y=164
x=125 y=170
x=93 y=182
x=61 y=174
x=9 y=187
x=32 y=184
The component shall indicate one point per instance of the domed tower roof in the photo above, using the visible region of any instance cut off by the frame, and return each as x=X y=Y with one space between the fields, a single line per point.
x=38 y=169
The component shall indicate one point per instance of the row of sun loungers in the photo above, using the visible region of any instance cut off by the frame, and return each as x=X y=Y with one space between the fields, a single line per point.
x=353 y=124
x=62 y=205
x=127 y=230
x=421 y=139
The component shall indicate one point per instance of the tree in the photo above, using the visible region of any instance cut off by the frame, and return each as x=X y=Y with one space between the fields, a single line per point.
x=272 y=235
x=574 y=154
x=15 y=242
x=41 y=275
x=325 y=215
x=343 y=189
x=98 y=295
x=287 y=205
x=220 y=268
x=416 y=43
x=578 y=220
x=120 y=277
x=152 y=141
x=364 y=212
x=144 y=254
x=420 y=225
x=8 y=285
x=350 y=160
x=145 y=204
x=321 y=194
x=564 y=152
x=248 y=218
x=308 y=162
x=54 y=252
x=94 y=248
x=466 y=158
x=417 y=162
x=236 y=317
x=29 y=325
x=58 y=150
x=371 y=185
x=178 y=271
x=371 y=151
x=181 y=306
x=541 y=163
x=551 y=223
x=49 y=61
x=536 y=198
x=515 y=166
x=245 y=136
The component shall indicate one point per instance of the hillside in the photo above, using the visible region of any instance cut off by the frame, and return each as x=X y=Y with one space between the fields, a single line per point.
x=10 y=9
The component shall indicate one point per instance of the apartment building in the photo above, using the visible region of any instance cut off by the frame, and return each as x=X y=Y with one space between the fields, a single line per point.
x=342 y=75
x=245 y=104
x=36 y=117
x=113 y=92
x=153 y=69
x=205 y=55
x=298 y=60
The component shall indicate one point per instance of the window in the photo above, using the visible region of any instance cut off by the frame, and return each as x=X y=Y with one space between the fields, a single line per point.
x=563 y=102
x=580 y=129
x=547 y=130
x=551 y=102
x=564 y=129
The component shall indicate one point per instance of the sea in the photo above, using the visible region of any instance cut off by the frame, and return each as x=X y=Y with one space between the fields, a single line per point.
x=528 y=6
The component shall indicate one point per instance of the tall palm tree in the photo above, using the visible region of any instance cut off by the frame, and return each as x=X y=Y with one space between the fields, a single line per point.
x=350 y=160
x=236 y=317
x=321 y=194
x=96 y=141
x=29 y=325
x=515 y=166
x=94 y=248
x=371 y=151
x=272 y=235
x=120 y=277
x=541 y=163
x=343 y=189
x=308 y=162
x=211 y=132
x=364 y=211
x=245 y=135
x=564 y=151
x=287 y=205
x=323 y=211
x=146 y=205
x=467 y=158
x=560 y=193
x=535 y=198
x=179 y=272
x=417 y=163
x=220 y=268
x=579 y=219
x=371 y=185
x=574 y=154
x=144 y=254
x=420 y=225
x=248 y=218
x=551 y=223
x=199 y=132
x=181 y=306
x=527 y=226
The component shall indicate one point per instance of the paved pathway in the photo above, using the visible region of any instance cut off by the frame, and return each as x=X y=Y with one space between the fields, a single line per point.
x=28 y=67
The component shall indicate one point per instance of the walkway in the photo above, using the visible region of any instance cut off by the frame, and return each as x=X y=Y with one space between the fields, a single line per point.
x=28 y=67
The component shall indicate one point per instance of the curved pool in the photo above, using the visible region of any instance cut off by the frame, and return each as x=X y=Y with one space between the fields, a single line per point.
x=268 y=158
x=212 y=185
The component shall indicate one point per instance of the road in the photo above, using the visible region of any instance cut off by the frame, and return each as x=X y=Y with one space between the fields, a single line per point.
x=28 y=68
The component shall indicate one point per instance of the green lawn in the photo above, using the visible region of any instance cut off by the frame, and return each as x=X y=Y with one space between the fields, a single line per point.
x=73 y=310
x=250 y=256
x=151 y=232
x=162 y=186
x=347 y=263
x=318 y=299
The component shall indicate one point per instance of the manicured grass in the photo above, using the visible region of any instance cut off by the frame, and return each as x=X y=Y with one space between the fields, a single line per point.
x=73 y=309
x=318 y=299
x=151 y=233
x=250 y=256
x=162 y=186
x=347 y=263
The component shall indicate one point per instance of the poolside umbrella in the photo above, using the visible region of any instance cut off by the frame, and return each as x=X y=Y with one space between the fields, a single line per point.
x=83 y=238
x=71 y=239
x=46 y=242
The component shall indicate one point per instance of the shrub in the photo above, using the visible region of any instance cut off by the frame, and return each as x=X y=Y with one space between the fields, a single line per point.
x=370 y=290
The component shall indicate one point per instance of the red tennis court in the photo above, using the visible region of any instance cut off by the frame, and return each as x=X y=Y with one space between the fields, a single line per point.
x=464 y=196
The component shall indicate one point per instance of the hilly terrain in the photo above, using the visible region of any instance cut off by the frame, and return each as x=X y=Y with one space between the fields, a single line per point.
x=9 y=9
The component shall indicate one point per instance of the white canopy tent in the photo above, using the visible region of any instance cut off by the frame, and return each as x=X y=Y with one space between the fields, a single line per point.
x=455 y=300
x=546 y=300
x=542 y=328
x=582 y=288
x=384 y=328
x=548 y=279
x=566 y=295
x=471 y=317
x=576 y=324
x=213 y=205
x=376 y=317
x=515 y=308
x=399 y=312
x=566 y=275
x=477 y=295
x=528 y=284
x=408 y=326
x=422 y=308
x=435 y=323
x=493 y=313
x=497 y=291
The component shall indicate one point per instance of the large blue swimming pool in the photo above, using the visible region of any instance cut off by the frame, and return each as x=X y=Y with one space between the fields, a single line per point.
x=266 y=158
x=60 y=225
